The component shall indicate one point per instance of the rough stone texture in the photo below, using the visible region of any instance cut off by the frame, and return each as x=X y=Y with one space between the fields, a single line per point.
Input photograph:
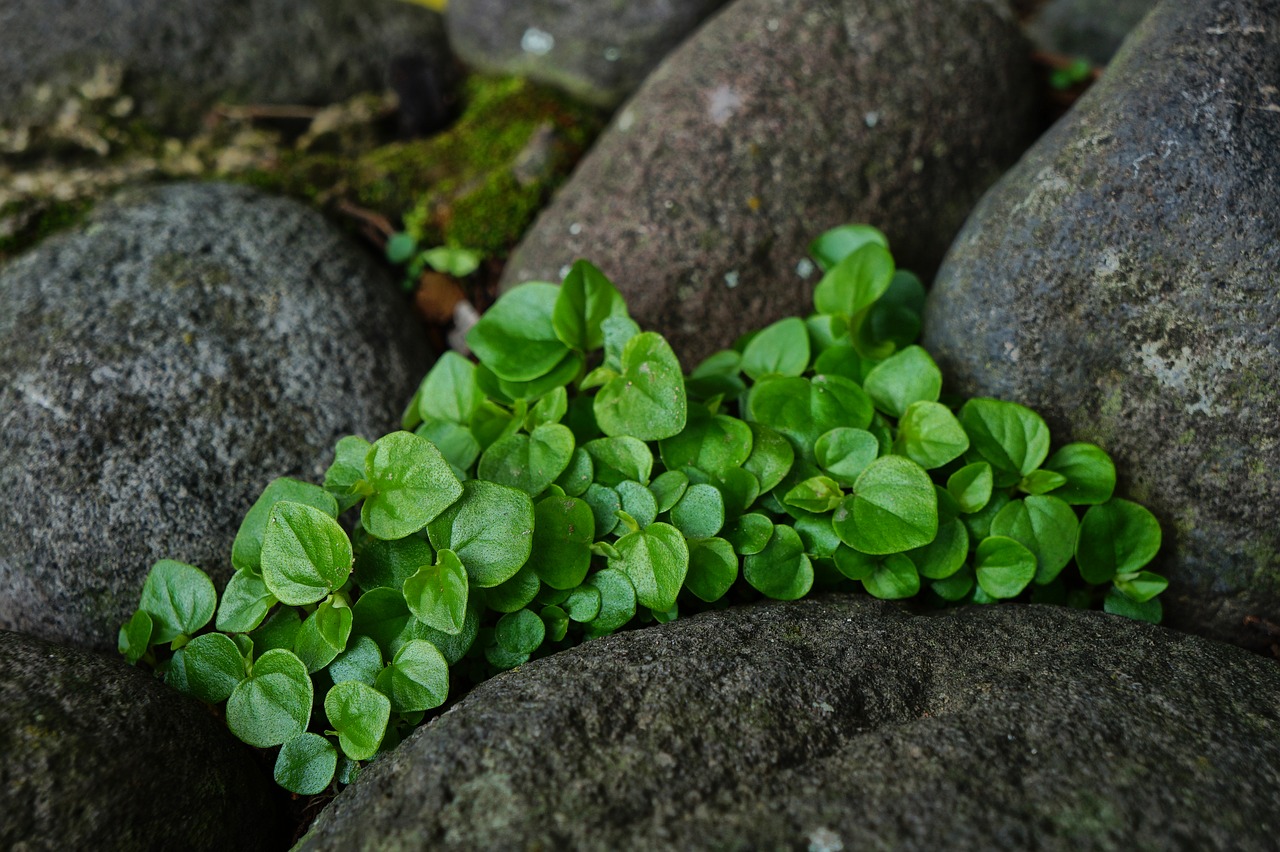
x=777 y=120
x=599 y=50
x=1123 y=280
x=845 y=723
x=1089 y=28
x=179 y=56
x=99 y=755
x=157 y=369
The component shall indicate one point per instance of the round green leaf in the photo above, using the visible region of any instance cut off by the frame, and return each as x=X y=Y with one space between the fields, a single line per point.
x=516 y=593
x=584 y=602
x=361 y=661
x=305 y=554
x=273 y=704
x=437 y=594
x=214 y=667
x=605 y=504
x=945 y=555
x=637 y=501
x=563 y=530
x=815 y=494
x=668 y=487
x=971 y=486
x=854 y=564
x=655 y=560
x=1142 y=586
x=324 y=634
x=245 y=603
x=930 y=435
x=771 y=457
x=458 y=444
x=449 y=391
x=452 y=646
x=413 y=484
x=417 y=679
x=135 y=637
x=838 y=243
x=904 y=378
x=1116 y=537
x=577 y=477
x=306 y=764
x=617 y=601
x=528 y=462
x=647 y=400
x=389 y=563
x=359 y=716
x=819 y=536
x=556 y=621
x=1090 y=473
x=780 y=349
x=894 y=578
x=1003 y=566
x=781 y=570
x=1041 y=482
x=520 y=632
x=750 y=533
x=1118 y=603
x=713 y=568
x=713 y=444
x=490 y=528
x=620 y=458
x=803 y=409
x=956 y=587
x=1044 y=525
x=246 y=550
x=893 y=508
x=618 y=332
x=516 y=337
x=342 y=476
x=586 y=299
x=844 y=453
x=856 y=282
x=179 y=598
x=698 y=514
x=1012 y=437
x=739 y=488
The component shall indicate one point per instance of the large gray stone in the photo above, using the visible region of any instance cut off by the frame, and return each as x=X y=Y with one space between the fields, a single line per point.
x=777 y=120
x=177 y=57
x=598 y=50
x=1124 y=281
x=98 y=755
x=157 y=368
x=1093 y=29
x=844 y=723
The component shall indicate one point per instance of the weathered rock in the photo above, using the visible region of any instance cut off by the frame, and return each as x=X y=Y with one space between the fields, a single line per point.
x=1089 y=28
x=174 y=58
x=845 y=723
x=1123 y=280
x=777 y=120
x=157 y=369
x=98 y=755
x=598 y=51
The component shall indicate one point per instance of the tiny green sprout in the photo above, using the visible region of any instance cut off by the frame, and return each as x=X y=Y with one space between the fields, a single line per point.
x=574 y=481
x=402 y=250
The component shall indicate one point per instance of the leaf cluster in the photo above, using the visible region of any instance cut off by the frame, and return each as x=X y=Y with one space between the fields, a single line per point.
x=575 y=481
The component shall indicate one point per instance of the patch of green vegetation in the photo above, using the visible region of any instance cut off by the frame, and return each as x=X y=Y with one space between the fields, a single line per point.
x=40 y=221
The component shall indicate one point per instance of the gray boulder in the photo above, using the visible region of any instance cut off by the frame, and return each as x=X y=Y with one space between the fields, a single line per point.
x=1089 y=28
x=98 y=755
x=174 y=58
x=157 y=368
x=598 y=50
x=844 y=723
x=777 y=120
x=1123 y=280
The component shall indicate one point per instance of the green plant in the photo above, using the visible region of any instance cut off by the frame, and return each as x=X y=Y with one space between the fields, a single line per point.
x=575 y=481
x=402 y=250
x=1072 y=74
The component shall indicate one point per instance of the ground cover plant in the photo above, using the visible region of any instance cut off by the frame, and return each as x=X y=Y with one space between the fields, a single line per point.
x=576 y=481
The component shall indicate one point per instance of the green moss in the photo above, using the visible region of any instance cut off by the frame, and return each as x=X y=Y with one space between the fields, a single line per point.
x=42 y=220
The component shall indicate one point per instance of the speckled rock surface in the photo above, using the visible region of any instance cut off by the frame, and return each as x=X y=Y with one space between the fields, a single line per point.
x=99 y=755
x=844 y=723
x=157 y=368
x=777 y=120
x=599 y=51
x=1089 y=28
x=1124 y=281
x=177 y=57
